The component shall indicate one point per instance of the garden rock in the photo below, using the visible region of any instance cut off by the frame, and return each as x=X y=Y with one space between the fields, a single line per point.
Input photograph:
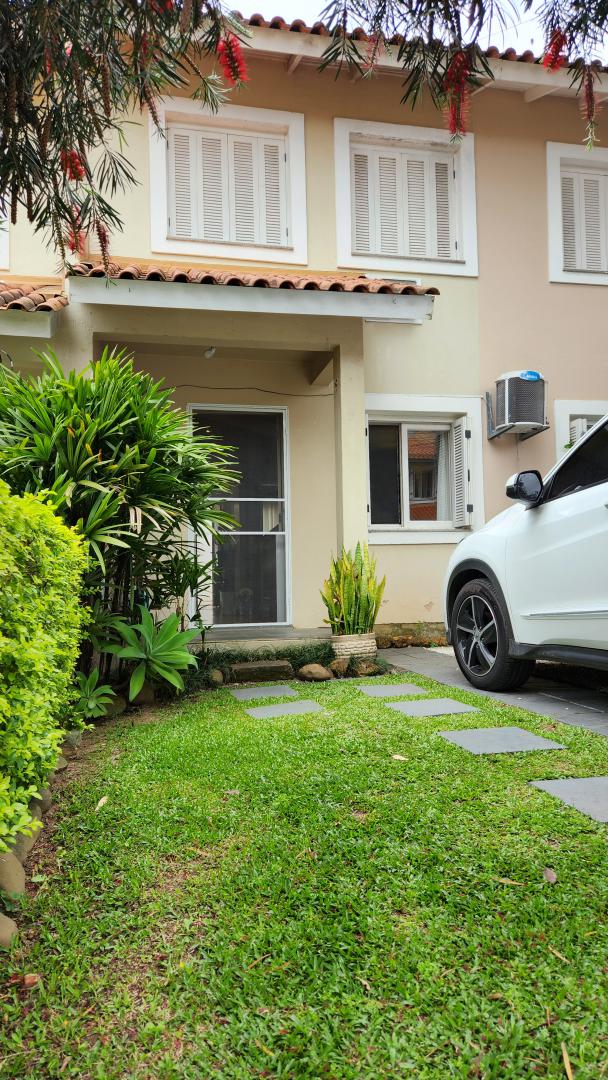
x=8 y=931
x=147 y=695
x=12 y=875
x=61 y=763
x=262 y=671
x=315 y=673
x=215 y=677
x=366 y=667
x=339 y=667
x=44 y=801
x=116 y=706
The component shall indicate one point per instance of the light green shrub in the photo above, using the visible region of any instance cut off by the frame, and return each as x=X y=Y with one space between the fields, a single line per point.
x=41 y=563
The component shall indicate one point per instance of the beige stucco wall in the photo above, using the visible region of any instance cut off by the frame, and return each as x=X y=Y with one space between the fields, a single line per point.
x=508 y=317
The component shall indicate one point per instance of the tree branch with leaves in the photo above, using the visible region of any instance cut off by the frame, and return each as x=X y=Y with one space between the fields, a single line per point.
x=70 y=72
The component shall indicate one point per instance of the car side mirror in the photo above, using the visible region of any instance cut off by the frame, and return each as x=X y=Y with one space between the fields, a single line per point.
x=526 y=487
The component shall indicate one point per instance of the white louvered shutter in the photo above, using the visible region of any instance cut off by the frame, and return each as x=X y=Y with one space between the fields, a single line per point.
x=212 y=190
x=570 y=222
x=388 y=204
x=417 y=212
x=442 y=208
x=578 y=428
x=362 y=238
x=182 y=183
x=272 y=188
x=461 y=476
x=584 y=220
x=244 y=195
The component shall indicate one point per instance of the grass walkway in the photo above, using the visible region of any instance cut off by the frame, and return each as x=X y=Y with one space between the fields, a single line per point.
x=341 y=896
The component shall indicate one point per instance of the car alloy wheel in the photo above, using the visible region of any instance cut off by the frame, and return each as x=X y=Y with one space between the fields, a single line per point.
x=477 y=635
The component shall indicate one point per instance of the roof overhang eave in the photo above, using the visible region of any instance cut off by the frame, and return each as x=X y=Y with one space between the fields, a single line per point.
x=175 y=296
x=32 y=324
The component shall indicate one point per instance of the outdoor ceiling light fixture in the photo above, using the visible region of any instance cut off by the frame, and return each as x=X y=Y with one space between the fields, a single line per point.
x=210 y=352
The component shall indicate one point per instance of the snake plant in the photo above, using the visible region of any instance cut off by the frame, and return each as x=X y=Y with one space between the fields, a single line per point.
x=352 y=594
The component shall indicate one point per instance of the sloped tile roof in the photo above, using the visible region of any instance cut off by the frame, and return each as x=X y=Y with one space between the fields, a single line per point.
x=299 y=26
x=31 y=296
x=256 y=279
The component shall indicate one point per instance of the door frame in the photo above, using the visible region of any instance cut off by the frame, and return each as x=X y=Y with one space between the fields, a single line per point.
x=192 y=408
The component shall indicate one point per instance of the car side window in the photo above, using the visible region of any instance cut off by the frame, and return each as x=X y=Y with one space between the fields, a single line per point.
x=587 y=466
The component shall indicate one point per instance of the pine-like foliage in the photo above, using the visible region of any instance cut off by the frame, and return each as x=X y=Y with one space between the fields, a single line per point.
x=441 y=47
x=70 y=72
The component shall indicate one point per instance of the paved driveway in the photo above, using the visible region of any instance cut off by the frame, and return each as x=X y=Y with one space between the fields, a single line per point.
x=573 y=705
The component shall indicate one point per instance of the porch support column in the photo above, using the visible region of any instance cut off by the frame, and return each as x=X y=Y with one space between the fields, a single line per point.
x=349 y=415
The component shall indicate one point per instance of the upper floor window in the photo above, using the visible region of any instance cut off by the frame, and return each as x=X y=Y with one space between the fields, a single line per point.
x=405 y=199
x=227 y=185
x=578 y=214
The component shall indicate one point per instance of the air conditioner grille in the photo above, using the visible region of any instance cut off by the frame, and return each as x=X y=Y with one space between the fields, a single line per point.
x=526 y=402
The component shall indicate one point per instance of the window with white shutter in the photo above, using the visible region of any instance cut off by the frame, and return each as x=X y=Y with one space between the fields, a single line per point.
x=227 y=186
x=584 y=198
x=403 y=203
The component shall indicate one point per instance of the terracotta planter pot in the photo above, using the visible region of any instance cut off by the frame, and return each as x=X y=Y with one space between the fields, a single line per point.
x=363 y=646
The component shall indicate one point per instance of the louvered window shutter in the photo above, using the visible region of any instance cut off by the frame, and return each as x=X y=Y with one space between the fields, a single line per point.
x=244 y=193
x=417 y=208
x=461 y=477
x=362 y=231
x=442 y=208
x=578 y=428
x=584 y=220
x=388 y=204
x=213 y=187
x=272 y=187
x=183 y=222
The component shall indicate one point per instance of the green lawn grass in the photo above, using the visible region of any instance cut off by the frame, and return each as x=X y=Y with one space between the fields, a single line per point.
x=286 y=898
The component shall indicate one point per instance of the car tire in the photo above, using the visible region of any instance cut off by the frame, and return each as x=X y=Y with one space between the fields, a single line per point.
x=480 y=636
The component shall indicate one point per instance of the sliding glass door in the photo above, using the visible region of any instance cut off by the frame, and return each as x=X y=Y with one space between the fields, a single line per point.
x=250 y=583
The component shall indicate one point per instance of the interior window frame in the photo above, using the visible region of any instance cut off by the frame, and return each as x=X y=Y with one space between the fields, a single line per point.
x=407 y=524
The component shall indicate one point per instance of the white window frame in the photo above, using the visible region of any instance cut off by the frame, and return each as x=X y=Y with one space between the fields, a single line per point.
x=431 y=412
x=573 y=154
x=249 y=120
x=565 y=411
x=346 y=132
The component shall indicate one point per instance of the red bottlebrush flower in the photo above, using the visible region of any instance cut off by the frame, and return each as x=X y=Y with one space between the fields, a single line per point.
x=457 y=92
x=161 y=7
x=75 y=241
x=590 y=107
x=555 y=56
x=72 y=165
x=232 y=61
x=104 y=241
x=372 y=52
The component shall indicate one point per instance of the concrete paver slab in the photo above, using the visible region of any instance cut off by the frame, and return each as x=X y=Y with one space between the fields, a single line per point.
x=252 y=693
x=498 y=740
x=589 y=794
x=286 y=708
x=382 y=690
x=431 y=707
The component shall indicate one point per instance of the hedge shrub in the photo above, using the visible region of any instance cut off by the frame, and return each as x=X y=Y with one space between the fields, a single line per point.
x=41 y=562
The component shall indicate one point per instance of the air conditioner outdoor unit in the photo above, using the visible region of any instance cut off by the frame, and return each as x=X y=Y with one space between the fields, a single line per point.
x=521 y=404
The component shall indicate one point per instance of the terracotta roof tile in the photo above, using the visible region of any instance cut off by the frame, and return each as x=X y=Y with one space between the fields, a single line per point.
x=254 y=279
x=31 y=296
x=299 y=26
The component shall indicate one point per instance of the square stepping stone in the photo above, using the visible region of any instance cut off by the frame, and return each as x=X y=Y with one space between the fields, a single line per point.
x=286 y=708
x=392 y=689
x=589 y=794
x=252 y=693
x=498 y=740
x=443 y=706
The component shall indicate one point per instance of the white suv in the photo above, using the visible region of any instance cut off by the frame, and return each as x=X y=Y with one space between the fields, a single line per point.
x=533 y=583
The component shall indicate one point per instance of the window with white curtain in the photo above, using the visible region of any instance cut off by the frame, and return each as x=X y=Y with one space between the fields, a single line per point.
x=419 y=474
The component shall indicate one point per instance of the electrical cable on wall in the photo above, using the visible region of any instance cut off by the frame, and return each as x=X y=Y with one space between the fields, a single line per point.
x=260 y=389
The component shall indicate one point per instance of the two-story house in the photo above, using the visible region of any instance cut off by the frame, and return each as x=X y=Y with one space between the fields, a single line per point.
x=332 y=284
